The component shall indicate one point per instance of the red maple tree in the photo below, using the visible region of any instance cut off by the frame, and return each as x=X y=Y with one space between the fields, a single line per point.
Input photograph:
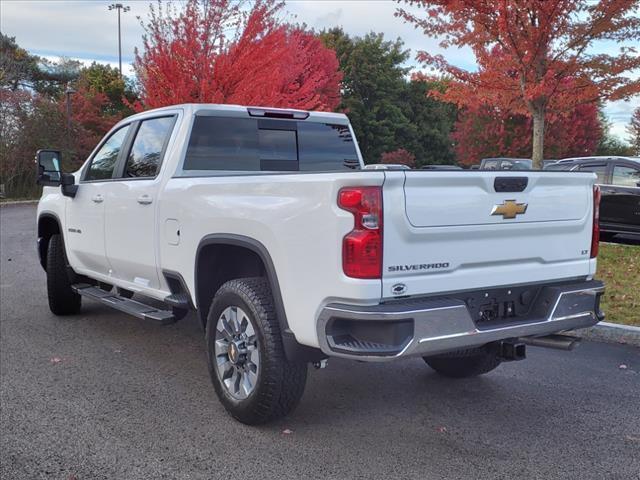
x=483 y=131
x=399 y=156
x=89 y=119
x=534 y=56
x=189 y=56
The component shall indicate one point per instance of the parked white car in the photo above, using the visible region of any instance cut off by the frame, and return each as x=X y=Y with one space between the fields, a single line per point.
x=265 y=223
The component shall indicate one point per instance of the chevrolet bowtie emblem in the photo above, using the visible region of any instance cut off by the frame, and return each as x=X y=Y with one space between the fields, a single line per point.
x=509 y=209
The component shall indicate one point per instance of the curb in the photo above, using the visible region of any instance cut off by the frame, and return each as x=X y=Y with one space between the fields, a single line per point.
x=18 y=202
x=610 y=333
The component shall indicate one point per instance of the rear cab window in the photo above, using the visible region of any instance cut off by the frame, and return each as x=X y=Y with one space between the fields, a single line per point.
x=268 y=145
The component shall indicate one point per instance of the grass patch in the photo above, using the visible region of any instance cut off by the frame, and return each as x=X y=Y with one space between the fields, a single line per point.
x=619 y=268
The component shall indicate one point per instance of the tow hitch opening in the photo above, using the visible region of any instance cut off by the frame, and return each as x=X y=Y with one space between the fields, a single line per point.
x=511 y=350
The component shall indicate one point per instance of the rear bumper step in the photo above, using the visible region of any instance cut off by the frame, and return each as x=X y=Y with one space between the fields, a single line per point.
x=126 y=305
x=423 y=327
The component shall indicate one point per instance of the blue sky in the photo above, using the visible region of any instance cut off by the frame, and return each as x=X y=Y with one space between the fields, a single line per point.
x=87 y=30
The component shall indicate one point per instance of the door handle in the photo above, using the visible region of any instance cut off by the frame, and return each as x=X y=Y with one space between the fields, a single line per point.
x=144 y=199
x=98 y=198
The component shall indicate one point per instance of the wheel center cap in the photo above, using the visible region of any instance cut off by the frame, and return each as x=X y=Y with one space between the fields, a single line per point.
x=233 y=352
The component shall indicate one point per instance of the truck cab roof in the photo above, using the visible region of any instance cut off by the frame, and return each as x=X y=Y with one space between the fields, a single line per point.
x=248 y=111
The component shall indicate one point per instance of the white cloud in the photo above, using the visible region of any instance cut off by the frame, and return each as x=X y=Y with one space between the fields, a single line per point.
x=619 y=114
x=358 y=18
x=127 y=68
x=87 y=30
x=82 y=29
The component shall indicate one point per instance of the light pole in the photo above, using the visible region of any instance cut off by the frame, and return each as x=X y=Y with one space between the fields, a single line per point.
x=68 y=92
x=119 y=7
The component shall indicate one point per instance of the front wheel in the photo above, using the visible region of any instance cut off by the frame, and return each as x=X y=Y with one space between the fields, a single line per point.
x=465 y=363
x=251 y=375
x=62 y=299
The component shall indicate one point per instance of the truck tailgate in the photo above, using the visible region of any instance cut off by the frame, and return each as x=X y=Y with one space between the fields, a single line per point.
x=454 y=231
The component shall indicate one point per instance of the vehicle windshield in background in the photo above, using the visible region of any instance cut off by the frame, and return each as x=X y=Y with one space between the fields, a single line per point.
x=505 y=164
x=247 y=144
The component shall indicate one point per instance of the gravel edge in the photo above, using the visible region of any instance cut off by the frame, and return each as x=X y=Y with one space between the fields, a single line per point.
x=18 y=202
x=610 y=333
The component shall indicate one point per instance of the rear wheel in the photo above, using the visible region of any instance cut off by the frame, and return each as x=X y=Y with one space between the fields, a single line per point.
x=465 y=363
x=251 y=375
x=62 y=299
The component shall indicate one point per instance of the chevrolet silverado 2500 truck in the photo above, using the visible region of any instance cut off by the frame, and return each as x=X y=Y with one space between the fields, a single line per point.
x=264 y=222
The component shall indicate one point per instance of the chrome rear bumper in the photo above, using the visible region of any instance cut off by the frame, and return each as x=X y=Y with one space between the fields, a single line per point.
x=423 y=327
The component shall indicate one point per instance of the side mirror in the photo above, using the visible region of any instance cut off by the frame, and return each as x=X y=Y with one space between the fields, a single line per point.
x=49 y=173
x=68 y=182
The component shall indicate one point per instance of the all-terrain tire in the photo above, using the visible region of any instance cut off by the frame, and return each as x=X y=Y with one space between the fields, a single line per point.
x=62 y=300
x=465 y=363
x=280 y=383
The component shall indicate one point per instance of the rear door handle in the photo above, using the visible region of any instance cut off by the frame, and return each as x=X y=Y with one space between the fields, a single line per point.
x=98 y=198
x=144 y=199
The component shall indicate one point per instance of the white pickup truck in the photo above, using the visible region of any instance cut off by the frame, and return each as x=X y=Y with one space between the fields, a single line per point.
x=264 y=222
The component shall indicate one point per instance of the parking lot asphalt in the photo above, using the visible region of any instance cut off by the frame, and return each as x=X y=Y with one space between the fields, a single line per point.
x=102 y=395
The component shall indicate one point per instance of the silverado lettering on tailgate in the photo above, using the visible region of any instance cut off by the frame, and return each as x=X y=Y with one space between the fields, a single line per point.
x=418 y=267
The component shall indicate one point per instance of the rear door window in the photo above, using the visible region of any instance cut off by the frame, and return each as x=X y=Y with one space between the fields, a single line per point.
x=626 y=176
x=599 y=169
x=145 y=154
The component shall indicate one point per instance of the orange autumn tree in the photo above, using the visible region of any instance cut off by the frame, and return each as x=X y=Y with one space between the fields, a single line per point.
x=483 y=131
x=224 y=51
x=535 y=57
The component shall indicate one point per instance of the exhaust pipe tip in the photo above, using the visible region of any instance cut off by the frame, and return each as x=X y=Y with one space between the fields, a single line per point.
x=558 y=342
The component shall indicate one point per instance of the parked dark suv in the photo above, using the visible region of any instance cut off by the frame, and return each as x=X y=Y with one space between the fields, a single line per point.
x=619 y=180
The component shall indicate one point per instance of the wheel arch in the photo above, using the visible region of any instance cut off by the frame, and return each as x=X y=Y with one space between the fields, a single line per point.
x=234 y=256
x=48 y=225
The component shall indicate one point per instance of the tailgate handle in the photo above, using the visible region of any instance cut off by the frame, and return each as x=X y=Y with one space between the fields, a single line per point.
x=510 y=184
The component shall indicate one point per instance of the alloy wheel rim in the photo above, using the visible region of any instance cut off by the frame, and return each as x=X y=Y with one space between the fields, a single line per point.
x=236 y=352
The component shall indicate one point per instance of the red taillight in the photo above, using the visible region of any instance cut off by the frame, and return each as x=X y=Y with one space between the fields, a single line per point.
x=595 y=233
x=362 y=246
